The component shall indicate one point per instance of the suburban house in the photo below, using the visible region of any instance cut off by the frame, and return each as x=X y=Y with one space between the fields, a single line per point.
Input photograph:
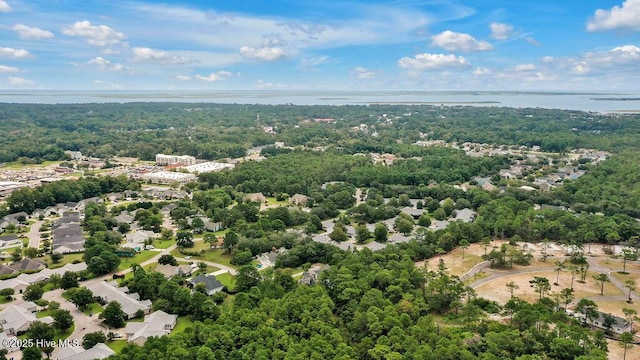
x=9 y=241
x=619 y=325
x=124 y=217
x=138 y=238
x=298 y=200
x=67 y=234
x=28 y=264
x=98 y=351
x=255 y=197
x=310 y=277
x=170 y=270
x=16 y=319
x=130 y=303
x=410 y=210
x=269 y=259
x=211 y=283
x=158 y=323
x=20 y=283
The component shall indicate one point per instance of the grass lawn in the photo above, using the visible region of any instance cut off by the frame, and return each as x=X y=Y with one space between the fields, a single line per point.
x=4 y=300
x=93 y=308
x=215 y=255
x=117 y=345
x=43 y=313
x=19 y=166
x=163 y=244
x=181 y=325
x=66 y=259
x=271 y=201
x=139 y=258
x=227 y=280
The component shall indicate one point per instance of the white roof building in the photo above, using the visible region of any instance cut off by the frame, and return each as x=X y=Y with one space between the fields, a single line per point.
x=168 y=177
x=98 y=351
x=18 y=318
x=130 y=303
x=157 y=324
x=208 y=167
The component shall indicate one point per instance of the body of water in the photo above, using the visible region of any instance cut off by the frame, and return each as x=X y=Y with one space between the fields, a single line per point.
x=584 y=101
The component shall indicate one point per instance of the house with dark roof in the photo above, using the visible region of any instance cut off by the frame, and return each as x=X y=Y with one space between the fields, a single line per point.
x=67 y=236
x=211 y=283
x=28 y=264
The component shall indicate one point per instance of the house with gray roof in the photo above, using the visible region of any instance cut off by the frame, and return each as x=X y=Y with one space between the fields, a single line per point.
x=130 y=303
x=157 y=324
x=98 y=351
x=16 y=319
x=310 y=277
x=211 y=283
x=28 y=264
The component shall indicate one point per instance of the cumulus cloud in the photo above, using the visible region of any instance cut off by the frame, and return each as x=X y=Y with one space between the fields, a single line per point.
x=422 y=62
x=31 y=33
x=454 y=41
x=141 y=54
x=501 y=31
x=547 y=59
x=481 y=71
x=13 y=53
x=105 y=65
x=4 y=7
x=14 y=80
x=218 y=76
x=8 y=69
x=264 y=53
x=100 y=35
x=525 y=67
x=362 y=73
x=625 y=17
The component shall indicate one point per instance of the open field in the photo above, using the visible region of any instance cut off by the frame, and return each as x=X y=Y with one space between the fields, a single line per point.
x=139 y=258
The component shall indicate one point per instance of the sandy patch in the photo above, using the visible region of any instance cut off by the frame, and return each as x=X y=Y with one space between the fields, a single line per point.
x=497 y=290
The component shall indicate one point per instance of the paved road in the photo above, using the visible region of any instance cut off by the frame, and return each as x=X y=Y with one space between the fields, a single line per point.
x=34 y=234
x=84 y=324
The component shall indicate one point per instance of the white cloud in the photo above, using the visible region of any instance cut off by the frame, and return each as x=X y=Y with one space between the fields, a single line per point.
x=31 y=33
x=525 y=67
x=8 y=69
x=422 y=62
x=547 y=59
x=105 y=65
x=261 y=84
x=531 y=40
x=183 y=77
x=100 y=35
x=264 y=53
x=626 y=16
x=362 y=73
x=501 y=31
x=481 y=71
x=311 y=62
x=141 y=54
x=218 y=76
x=14 y=80
x=110 y=51
x=454 y=41
x=621 y=58
x=13 y=53
x=4 y=7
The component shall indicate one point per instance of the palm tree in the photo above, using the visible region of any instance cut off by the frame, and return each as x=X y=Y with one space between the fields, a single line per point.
x=541 y=285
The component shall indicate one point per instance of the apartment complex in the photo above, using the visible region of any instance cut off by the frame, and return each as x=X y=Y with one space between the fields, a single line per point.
x=184 y=160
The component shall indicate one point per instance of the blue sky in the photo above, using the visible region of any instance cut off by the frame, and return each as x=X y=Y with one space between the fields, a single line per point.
x=320 y=45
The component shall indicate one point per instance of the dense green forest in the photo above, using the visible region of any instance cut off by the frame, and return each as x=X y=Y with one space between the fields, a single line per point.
x=368 y=306
x=212 y=131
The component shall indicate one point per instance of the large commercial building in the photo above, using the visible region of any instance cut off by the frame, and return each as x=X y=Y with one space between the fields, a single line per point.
x=184 y=160
x=167 y=177
x=208 y=167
